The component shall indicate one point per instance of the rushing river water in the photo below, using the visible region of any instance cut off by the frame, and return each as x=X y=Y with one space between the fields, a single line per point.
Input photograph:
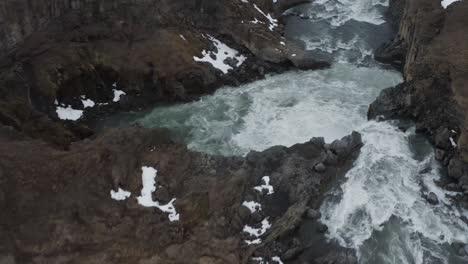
x=379 y=209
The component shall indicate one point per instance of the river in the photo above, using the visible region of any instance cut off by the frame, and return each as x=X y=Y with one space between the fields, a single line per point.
x=379 y=209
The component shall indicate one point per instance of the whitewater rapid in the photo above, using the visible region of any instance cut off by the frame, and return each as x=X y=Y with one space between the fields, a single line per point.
x=280 y=110
x=379 y=209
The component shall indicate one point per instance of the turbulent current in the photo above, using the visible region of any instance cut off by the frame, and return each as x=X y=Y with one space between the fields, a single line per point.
x=380 y=208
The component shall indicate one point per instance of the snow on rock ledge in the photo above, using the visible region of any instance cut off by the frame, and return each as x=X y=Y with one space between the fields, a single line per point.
x=257 y=232
x=120 y=195
x=223 y=52
x=446 y=3
x=148 y=178
x=252 y=206
x=68 y=113
x=266 y=186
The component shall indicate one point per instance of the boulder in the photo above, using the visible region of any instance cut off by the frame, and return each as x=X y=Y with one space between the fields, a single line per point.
x=320 y=167
x=432 y=198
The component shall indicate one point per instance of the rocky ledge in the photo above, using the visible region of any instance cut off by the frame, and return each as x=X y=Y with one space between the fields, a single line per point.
x=81 y=59
x=135 y=196
x=432 y=49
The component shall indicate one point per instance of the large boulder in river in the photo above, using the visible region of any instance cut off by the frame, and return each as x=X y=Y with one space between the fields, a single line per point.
x=95 y=203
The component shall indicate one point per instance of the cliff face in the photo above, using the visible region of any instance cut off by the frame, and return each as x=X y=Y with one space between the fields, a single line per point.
x=20 y=18
x=58 y=52
x=432 y=48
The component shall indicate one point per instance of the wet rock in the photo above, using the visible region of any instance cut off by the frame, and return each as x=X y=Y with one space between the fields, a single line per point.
x=331 y=158
x=388 y=104
x=455 y=168
x=346 y=145
x=440 y=154
x=313 y=214
x=322 y=228
x=340 y=256
x=452 y=187
x=292 y=252
x=306 y=61
x=432 y=198
x=320 y=167
x=442 y=138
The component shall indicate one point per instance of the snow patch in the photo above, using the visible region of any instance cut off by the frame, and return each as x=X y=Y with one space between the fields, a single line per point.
x=87 y=102
x=256 y=21
x=277 y=260
x=68 y=113
x=257 y=232
x=253 y=242
x=453 y=142
x=447 y=3
x=259 y=260
x=273 y=22
x=120 y=194
x=117 y=94
x=265 y=186
x=223 y=52
x=148 y=178
x=252 y=206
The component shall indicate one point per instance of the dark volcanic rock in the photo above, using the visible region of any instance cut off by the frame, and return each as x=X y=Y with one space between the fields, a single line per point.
x=58 y=51
x=57 y=207
x=432 y=198
x=432 y=45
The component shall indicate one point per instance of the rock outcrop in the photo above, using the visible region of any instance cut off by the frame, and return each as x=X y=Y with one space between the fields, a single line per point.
x=432 y=48
x=63 y=52
x=57 y=207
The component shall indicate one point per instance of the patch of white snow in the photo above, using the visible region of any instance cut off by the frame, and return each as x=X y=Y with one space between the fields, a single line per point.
x=148 y=178
x=87 y=102
x=68 y=113
x=117 y=95
x=446 y=3
x=252 y=206
x=265 y=186
x=253 y=242
x=259 y=260
x=273 y=21
x=223 y=52
x=277 y=260
x=120 y=195
x=453 y=142
x=257 y=232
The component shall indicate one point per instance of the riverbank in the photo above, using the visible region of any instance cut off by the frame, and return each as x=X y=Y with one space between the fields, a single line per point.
x=64 y=65
x=431 y=48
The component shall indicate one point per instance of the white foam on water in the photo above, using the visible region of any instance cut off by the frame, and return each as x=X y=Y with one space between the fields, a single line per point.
x=386 y=182
x=280 y=110
x=338 y=12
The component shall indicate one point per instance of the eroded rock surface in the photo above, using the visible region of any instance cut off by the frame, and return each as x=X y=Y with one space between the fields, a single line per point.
x=57 y=207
